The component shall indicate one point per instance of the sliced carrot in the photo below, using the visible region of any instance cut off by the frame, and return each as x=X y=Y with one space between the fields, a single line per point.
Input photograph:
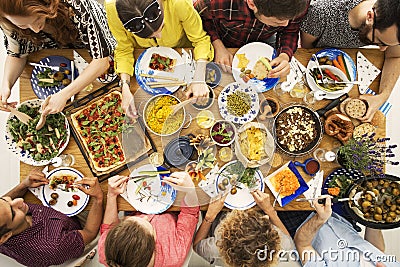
x=343 y=64
x=331 y=75
x=337 y=65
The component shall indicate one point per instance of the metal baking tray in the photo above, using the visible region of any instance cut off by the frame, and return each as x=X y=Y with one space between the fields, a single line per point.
x=83 y=103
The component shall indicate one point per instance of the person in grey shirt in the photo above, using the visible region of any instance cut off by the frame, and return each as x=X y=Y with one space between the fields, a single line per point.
x=356 y=23
x=244 y=237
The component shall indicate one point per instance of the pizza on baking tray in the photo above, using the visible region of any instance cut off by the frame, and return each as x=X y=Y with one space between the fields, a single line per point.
x=98 y=126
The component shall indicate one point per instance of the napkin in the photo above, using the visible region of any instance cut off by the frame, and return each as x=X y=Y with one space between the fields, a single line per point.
x=295 y=75
x=208 y=185
x=80 y=62
x=315 y=186
x=366 y=72
x=189 y=64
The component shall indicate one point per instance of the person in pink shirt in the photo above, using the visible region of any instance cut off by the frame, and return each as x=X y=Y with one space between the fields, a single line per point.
x=148 y=240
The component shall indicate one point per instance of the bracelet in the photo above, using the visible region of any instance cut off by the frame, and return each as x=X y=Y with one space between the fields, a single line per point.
x=207 y=220
x=122 y=82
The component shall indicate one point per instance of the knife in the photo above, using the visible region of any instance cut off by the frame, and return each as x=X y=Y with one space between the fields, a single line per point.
x=44 y=66
x=138 y=177
x=322 y=200
x=72 y=77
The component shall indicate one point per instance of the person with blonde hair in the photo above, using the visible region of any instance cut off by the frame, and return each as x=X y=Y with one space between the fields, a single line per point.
x=244 y=237
x=149 y=23
x=32 y=25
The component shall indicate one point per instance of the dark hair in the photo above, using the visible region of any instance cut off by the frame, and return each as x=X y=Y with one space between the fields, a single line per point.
x=128 y=9
x=57 y=15
x=387 y=14
x=243 y=234
x=281 y=9
x=129 y=244
x=4 y=230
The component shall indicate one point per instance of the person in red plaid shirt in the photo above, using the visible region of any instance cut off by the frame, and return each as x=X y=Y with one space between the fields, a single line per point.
x=234 y=23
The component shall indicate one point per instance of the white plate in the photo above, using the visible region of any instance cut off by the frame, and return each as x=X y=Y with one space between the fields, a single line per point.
x=332 y=53
x=24 y=155
x=242 y=200
x=152 y=201
x=64 y=197
x=142 y=66
x=223 y=100
x=253 y=52
x=285 y=200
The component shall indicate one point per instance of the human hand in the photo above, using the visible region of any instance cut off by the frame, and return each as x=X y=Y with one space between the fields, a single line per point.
x=117 y=185
x=374 y=102
x=128 y=103
x=263 y=201
x=54 y=103
x=35 y=179
x=324 y=211
x=199 y=92
x=5 y=94
x=282 y=67
x=180 y=181
x=215 y=206
x=222 y=56
x=90 y=186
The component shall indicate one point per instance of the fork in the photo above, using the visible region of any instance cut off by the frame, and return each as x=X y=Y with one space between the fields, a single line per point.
x=276 y=199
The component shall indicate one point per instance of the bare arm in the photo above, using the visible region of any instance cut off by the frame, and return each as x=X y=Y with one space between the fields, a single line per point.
x=12 y=71
x=375 y=237
x=305 y=235
x=35 y=179
x=390 y=75
x=116 y=186
x=93 y=70
x=263 y=201
x=93 y=221
x=214 y=208
x=307 y=40
x=222 y=56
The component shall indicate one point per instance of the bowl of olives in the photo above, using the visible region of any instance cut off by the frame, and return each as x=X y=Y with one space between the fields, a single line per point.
x=375 y=202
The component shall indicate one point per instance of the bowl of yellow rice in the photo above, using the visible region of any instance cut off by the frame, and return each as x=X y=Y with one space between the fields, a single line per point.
x=158 y=117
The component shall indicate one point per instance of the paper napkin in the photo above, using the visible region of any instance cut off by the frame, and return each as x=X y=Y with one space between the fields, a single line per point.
x=366 y=72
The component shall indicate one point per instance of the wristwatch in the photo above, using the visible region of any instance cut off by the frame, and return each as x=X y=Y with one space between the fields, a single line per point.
x=122 y=82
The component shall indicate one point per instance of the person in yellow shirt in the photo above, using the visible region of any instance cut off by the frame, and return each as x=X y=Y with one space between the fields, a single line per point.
x=148 y=23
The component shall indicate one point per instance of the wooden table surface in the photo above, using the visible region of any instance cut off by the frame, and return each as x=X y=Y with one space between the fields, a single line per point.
x=303 y=55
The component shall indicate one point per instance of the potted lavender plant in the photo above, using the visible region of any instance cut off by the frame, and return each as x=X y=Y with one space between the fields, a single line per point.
x=367 y=154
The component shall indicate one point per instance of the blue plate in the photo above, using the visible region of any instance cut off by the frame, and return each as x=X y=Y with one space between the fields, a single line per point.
x=217 y=75
x=55 y=61
x=223 y=103
x=339 y=206
x=162 y=195
x=285 y=200
x=332 y=53
x=142 y=66
x=253 y=52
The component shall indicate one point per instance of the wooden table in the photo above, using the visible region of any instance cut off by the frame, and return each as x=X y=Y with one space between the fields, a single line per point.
x=302 y=55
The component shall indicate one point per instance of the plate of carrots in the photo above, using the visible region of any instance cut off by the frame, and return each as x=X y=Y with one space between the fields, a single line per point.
x=340 y=61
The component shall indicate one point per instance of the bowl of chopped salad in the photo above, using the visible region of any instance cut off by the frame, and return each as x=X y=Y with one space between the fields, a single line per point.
x=37 y=147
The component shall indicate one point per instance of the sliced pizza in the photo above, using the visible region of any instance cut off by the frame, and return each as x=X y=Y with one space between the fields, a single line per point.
x=99 y=126
x=162 y=63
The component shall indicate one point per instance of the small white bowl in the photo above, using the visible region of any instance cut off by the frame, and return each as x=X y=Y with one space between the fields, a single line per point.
x=334 y=71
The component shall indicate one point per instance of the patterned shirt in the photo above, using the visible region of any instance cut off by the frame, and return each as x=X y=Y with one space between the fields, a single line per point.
x=328 y=21
x=235 y=24
x=174 y=236
x=91 y=23
x=52 y=239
